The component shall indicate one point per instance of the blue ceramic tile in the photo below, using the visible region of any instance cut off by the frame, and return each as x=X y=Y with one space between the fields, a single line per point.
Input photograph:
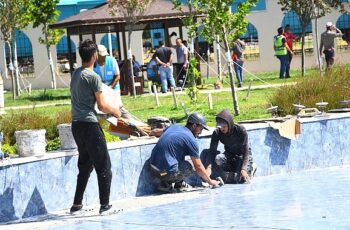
x=296 y=159
x=147 y=183
x=344 y=140
x=10 y=196
x=331 y=143
x=146 y=151
x=261 y=150
x=118 y=183
x=305 y=200
x=132 y=166
x=310 y=137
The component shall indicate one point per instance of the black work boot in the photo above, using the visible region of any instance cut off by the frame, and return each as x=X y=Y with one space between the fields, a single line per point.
x=105 y=207
x=165 y=187
x=75 y=208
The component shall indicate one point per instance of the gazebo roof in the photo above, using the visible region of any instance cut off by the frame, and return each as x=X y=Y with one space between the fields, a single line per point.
x=156 y=11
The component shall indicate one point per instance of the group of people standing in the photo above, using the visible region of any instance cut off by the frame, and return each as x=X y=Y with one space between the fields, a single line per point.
x=161 y=66
x=283 y=46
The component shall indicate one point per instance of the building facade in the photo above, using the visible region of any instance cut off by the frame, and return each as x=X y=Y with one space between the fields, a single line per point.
x=264 y=20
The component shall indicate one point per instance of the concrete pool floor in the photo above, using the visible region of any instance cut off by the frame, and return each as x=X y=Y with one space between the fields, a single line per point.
x=310 y=199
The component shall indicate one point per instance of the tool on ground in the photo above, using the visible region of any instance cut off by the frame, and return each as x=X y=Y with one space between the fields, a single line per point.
x=221 y=181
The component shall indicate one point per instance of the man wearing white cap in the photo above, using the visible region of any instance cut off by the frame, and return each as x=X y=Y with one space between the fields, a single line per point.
x=327 y=42
x=107 y=68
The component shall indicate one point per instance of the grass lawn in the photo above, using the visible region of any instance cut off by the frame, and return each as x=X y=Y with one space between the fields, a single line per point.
x=145 y=107
x=38 y=96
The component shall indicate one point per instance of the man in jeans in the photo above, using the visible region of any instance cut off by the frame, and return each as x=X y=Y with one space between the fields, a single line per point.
x=167 y=161
x=237 y=57
x=281 y=51
x=327 y=43
x=86 y=90
x=164 y=57
x=290 y=37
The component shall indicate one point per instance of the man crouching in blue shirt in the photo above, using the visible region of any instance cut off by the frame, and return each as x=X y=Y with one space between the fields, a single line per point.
x=167 y=161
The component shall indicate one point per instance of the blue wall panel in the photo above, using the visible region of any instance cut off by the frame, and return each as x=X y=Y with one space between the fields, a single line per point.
x=44 y=186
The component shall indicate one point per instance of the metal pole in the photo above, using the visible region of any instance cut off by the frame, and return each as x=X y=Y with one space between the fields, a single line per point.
x=110 y=42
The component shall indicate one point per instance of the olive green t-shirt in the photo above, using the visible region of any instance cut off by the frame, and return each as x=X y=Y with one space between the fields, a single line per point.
x=84 y=84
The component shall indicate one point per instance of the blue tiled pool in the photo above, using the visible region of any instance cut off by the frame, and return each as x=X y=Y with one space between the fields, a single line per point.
x=312 y=199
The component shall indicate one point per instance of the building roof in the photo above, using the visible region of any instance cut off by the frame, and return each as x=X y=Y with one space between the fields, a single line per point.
x=79 y=2
x=157 y=10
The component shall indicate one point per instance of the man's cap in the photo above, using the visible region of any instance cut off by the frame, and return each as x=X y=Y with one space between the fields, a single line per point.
x=102 y=50
x=220 y=123
x=196 y=118
x=329 y=24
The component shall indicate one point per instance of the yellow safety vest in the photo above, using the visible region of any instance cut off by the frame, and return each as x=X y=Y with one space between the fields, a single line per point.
x=280 y=49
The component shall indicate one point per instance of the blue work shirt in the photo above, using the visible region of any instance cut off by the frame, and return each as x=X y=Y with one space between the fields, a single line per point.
x=175 y=143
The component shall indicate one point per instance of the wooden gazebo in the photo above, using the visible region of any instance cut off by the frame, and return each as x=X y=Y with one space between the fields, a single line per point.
x=100 y=20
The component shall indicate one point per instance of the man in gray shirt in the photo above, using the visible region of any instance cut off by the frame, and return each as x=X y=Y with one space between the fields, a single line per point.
x=327 y=43
x=86 y=90
x=182 y=62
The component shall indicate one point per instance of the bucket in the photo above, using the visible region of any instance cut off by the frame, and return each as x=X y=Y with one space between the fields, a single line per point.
x=31 y=142
x=66 y=136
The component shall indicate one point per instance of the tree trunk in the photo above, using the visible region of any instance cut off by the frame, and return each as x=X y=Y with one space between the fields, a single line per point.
x=303 y=50
x=192 y=68
x=218 y=57
x=52 y=68
x=131 y=62
x=12 y=72
x=230 y=71
x=15 y=65
x=317 y=45
x=6 y=72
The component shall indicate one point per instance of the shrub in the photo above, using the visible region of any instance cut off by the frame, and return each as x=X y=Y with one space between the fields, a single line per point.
x=12 y=122
x=333 y=87
x=9 y=149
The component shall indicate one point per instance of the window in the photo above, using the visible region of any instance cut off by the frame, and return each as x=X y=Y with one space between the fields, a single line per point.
x=24 y=54
x=343 y=23
x=292 y=19
x=252 y=43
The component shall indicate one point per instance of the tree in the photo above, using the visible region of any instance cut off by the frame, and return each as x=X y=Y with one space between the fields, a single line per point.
x=11 y=18
x=132 y=10
x=192 y=26
x=227 y=25
x=43 y=13
x=306 y=11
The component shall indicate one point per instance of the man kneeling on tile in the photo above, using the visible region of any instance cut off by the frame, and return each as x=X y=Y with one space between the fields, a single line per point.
x=235 y=165
x=167 y=161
